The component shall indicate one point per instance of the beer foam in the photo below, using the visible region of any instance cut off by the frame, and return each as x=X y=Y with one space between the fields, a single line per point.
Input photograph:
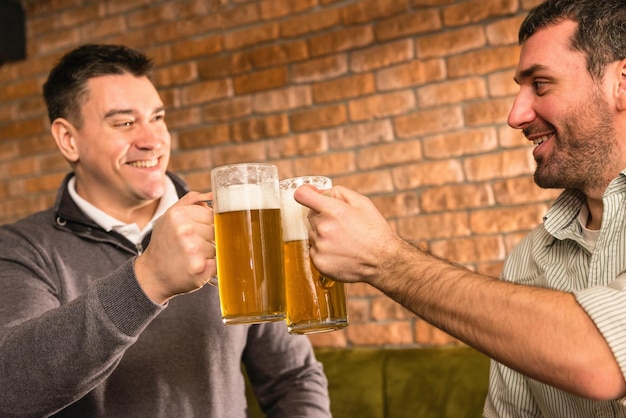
x=244 y=197
x=293 y=217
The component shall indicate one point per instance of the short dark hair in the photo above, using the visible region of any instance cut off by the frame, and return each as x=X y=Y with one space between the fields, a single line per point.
x=601 y=31
x=66 y=87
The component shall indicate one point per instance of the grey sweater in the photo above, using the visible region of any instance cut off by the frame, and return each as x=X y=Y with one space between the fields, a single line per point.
x=79 y=338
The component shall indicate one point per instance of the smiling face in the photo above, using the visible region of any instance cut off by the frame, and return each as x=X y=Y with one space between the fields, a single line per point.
x=566 y=113
x=121 y=152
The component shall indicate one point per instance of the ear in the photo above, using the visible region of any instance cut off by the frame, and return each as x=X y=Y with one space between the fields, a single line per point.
x=620 y=93
x=64 y=134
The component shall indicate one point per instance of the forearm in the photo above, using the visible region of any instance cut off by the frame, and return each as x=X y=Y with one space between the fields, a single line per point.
x=542 y=333
x=51 y=360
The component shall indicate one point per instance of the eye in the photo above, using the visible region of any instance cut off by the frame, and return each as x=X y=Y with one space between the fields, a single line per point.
x=123 y=123
x=540 y=86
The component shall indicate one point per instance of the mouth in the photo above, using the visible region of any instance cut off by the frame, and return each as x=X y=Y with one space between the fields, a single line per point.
x=144 y=163
x=540 y=139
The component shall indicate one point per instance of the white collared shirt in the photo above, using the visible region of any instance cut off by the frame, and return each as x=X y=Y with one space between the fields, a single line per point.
x=109 y=223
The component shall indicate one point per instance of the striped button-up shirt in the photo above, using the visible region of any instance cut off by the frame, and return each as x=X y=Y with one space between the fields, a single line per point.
x=556 y=255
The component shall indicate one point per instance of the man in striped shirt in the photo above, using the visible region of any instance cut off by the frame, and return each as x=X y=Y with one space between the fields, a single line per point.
x=555 y=324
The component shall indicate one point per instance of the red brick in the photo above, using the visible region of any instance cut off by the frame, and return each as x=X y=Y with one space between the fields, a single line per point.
x=176 y=74
x=309 y=23
x=458 y=144
x=391 y=154
x=470 y=250
x=375 y=334
x=223 y=65
x=119 y=6
x=240 y=153
x=367 y=182
x=483 y=61
x=381 y=105
x=504 y=32
x=205 y=136
x=507 y=219
x=451 y=42
x=473 y=11
x=410 y=74
x=191 y=160
x=277 y=100
x=239 y=15
x=317 y=118
x=397 y=205
x=444 y=225
x=489 y=111
x=428 y=173
x=456 y=197
x=371 y=10
x=259 y=128
x=273 y=9
x=431 y=336
x=77 y=16
x=298 y=145
x=155 y=14
x=381 y=56
x=508 y=163
x=428 y=122
x=344 y=88
x=330 y=164
x=319 y=69
x=521 y=190
x=206 y=92
x=260 y=80
x=408 y=24
x=341 y=40
x=384 y=309
x=278 y=54
x=361 y=134
x=501 y=84
x=335 y=339
x=251 y=36
x=452 y=92
x=196 y=48
x=228 y=109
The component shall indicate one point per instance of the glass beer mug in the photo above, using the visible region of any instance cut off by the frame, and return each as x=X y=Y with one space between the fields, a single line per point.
x=314 y=303
x=249 y=254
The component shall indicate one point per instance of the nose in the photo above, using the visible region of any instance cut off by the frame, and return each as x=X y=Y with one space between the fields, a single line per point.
x=151 y=137
x=522 y=111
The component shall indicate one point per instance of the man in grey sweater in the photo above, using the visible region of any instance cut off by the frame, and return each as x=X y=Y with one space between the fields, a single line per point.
x=90 y=325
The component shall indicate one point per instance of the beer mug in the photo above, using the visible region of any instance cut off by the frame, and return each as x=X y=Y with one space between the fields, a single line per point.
x=249 y=254
x=314 y=303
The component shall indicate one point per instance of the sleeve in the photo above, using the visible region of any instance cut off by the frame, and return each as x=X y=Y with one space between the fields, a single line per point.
x=605 y=307
x=52 y=354
x=285 y=376
x=509 y=394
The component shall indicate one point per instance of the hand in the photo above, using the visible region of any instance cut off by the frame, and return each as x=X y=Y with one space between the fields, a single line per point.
x=181 y=255
x=350 y=239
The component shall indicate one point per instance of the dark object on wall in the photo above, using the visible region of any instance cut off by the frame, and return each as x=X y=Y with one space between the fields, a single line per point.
x=12 y=31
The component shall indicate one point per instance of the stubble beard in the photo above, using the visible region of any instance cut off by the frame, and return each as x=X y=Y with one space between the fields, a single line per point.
x=584 y=149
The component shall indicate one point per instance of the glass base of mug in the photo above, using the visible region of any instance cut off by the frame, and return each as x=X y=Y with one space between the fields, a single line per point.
x=253 y=319
x=316 y=327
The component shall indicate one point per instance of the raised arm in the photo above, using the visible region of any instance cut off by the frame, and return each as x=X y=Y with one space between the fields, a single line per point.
x=542 y=333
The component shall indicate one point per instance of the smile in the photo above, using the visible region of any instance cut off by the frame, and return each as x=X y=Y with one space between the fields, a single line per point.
x=145 y=163
x=541 y=139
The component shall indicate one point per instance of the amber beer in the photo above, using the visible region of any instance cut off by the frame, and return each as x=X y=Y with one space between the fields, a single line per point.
x=314 y=303
x=248 y=240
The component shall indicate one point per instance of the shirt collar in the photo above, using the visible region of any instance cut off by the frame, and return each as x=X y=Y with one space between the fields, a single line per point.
x=109 y=223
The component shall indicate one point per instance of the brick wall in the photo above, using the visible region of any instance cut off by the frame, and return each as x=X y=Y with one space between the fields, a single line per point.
x=403 y=100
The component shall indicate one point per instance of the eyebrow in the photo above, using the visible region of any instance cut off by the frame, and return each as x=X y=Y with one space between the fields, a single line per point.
x=527 y=73
x=116 y=112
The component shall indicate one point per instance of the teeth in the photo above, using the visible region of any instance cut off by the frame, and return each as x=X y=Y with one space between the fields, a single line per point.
x=144 y=164
x=540 y=140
